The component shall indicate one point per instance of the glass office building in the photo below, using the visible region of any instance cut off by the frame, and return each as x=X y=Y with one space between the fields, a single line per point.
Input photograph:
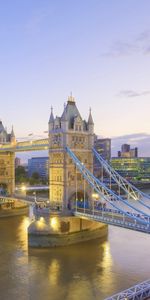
x=137 y=168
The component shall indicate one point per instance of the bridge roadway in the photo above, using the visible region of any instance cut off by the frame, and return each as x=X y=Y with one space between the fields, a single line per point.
x=110 y=217
x=113 y=218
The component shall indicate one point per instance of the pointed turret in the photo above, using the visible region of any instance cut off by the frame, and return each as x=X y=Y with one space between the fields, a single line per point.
x=64 y=115
x=90 y=119
x=12 y=132
x=90 y=122
x=2 y=129
x=51 y=120
x=12 y=135
x=3 y=133
x=64 y=119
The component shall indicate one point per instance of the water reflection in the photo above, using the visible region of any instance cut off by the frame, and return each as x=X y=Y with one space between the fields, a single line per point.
x=54 y=270
x=91 y=270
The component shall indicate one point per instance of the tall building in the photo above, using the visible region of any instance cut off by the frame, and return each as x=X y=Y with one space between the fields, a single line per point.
x=103 y=147
x=126 y=151
x=70 y=130
x=38 y=165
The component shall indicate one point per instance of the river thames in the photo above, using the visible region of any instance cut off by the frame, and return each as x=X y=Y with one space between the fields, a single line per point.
x=91 y=270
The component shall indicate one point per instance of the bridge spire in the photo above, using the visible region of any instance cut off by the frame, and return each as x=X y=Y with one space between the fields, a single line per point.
x=71 y=99
x=12 y=135
x=90 y=119
x=51 y=119
x=12 y=132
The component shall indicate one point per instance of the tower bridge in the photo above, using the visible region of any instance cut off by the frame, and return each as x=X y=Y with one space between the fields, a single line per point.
x=70 y=144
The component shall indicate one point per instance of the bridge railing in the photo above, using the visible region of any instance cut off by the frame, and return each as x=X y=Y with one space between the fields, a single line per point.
x=139 y=291
x=109 y=219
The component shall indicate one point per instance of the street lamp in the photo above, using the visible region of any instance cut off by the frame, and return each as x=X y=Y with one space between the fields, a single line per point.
x=34 y=193
x=95 y=196
x=23 y=188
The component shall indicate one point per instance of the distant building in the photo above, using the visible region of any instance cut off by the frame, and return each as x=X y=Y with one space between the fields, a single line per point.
x=17 y=162
x=126 y=151
x=103 y=147
x=39 y=165
x=136 y=168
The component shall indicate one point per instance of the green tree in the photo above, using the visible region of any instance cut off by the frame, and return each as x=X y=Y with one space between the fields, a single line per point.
x=35 y=178
x=20 y=174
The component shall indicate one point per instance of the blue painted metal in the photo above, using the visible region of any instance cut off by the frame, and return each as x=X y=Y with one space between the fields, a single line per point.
x=103 y=190
x=139 y=291
x=121 y=181
x=114 y=220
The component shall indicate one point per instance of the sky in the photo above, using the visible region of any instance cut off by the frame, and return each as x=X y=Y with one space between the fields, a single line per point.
x=97 y=49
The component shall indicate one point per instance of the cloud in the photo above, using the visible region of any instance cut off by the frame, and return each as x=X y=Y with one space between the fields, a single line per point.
x=120 y=48
x=132 y=94
x=140 y=140
x=138 y=45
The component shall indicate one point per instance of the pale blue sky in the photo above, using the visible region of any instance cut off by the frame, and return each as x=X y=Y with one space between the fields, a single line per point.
x=98 y=49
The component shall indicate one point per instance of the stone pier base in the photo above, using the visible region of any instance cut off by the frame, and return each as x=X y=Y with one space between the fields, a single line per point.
x=63 y=231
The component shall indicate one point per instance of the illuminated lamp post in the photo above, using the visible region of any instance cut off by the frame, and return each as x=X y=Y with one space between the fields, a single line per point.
x=95 y=197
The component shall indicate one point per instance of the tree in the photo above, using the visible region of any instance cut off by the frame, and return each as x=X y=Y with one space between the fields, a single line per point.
x=20 y=174
x=35 y=178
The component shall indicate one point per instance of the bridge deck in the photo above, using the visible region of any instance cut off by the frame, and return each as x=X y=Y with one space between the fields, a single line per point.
x=34 y=145
x=115 y=219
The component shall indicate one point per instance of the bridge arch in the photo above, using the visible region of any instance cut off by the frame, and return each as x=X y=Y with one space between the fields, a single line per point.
x=80 y=198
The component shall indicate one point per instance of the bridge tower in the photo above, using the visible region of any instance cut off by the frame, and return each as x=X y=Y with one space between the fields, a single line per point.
x=60 y=228
x=65 y=182
x=7 y=165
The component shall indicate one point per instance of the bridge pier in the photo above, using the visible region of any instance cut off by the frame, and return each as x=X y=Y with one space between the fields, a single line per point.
x=62 y=229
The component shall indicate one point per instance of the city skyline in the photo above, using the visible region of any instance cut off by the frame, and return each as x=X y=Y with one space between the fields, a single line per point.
x=99 y=51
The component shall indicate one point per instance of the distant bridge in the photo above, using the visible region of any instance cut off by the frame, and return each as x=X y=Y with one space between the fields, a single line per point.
x=34 y=145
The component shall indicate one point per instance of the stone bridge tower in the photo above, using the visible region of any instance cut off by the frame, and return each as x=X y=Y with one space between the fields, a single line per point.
x=7 y=159
x=65 y=181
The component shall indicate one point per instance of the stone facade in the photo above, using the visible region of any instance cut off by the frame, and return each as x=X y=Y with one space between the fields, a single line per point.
x=7 y=171
x=65 y=181
x=7 y=161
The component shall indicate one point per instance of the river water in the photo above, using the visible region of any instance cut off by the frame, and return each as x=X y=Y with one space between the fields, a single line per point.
x=87 y=271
